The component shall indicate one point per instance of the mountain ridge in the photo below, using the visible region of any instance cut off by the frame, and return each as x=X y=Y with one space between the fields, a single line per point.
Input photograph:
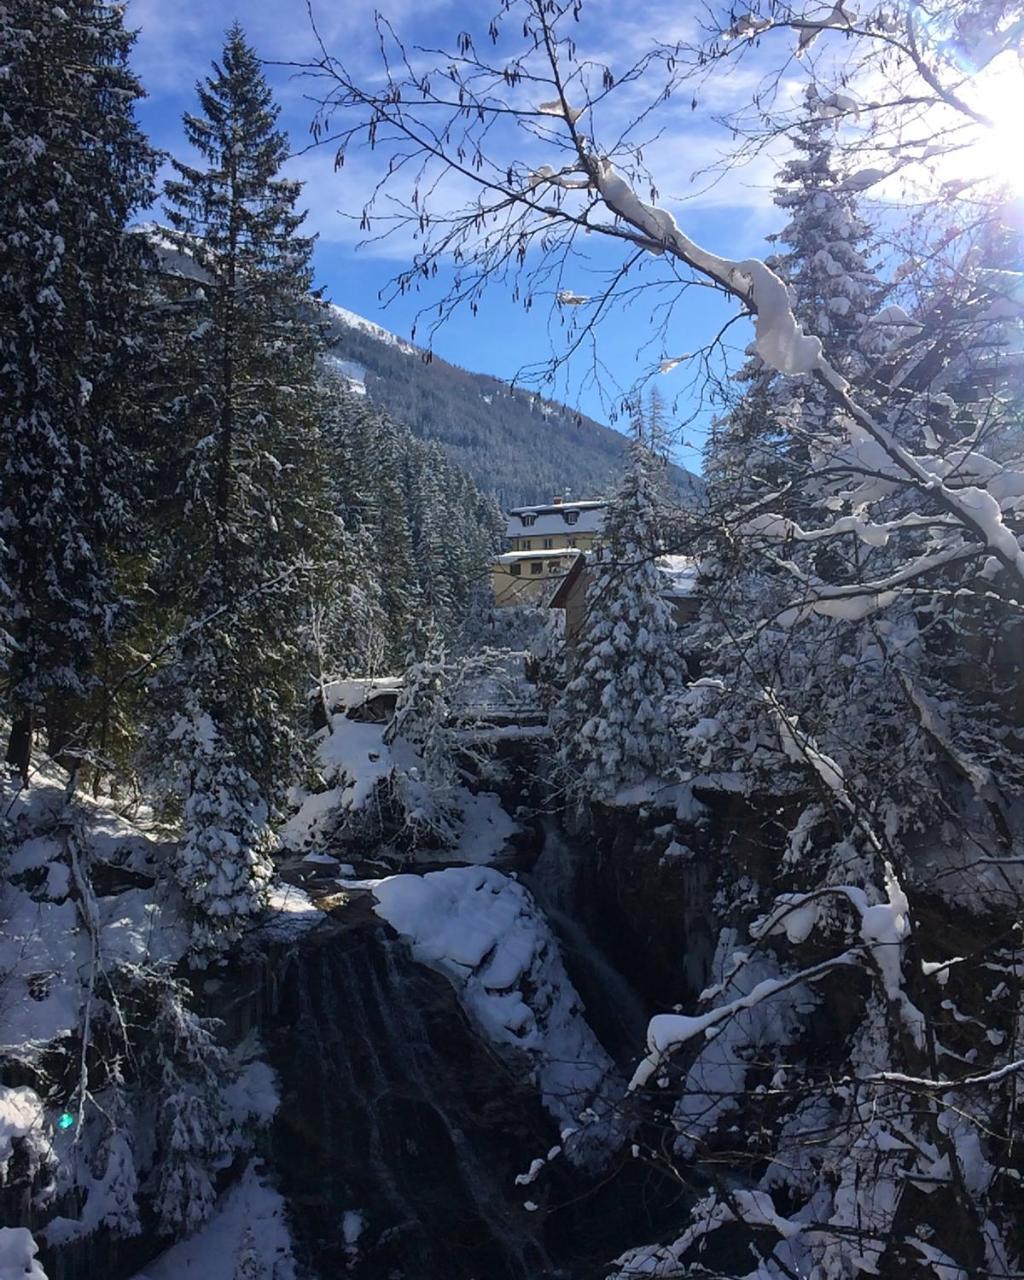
x=515 y=444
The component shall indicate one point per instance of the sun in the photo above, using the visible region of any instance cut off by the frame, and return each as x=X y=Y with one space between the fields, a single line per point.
x=998 y=147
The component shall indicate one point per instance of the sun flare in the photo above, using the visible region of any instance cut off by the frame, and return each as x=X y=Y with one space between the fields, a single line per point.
x=998 y=149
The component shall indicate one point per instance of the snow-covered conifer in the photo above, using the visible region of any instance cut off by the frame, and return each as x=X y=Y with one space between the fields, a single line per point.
x=246 y=468
x=223 y=861
x=247 y=1260
x=765 y=443
x=424 y=779
x=368 y=629
x=614 y=716
x=73 y=168
x=194 y=1127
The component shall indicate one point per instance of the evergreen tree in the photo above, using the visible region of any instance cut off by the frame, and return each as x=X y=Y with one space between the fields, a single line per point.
x=436 y=531
x=249 y=508
x=73 y=168
x=614 y=713
x=424 y=788
x=418 y=532
x=224 y=858
x=368 y=629
x=195 y=1129
x=388 y=525
x=765 y=444
x=247 y=1260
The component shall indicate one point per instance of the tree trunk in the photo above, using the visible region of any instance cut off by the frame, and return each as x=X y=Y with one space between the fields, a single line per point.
x=19 y=745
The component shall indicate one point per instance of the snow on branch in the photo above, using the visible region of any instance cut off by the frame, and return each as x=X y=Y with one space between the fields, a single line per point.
x=883 y=926
x=781 y=342
x=782 y=345
x=667 y=1032
x=799 y=748
x=869 y=532
x=884 y=929
x=982 y=1079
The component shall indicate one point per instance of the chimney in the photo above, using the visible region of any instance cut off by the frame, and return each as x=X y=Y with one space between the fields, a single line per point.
x=556 y=501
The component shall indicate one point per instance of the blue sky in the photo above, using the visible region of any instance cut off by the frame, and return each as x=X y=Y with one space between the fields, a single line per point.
x=177 y=40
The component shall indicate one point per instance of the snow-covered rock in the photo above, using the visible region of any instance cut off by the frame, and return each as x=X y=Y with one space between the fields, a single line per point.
x=484 y=932
x=18 y=1255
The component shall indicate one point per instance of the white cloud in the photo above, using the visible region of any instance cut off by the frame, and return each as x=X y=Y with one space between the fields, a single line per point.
x=178 y=40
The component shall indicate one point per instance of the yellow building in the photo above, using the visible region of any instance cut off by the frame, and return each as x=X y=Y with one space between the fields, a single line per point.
x=543 y=544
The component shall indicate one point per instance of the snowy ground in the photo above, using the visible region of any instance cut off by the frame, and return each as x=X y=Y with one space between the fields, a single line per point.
x=213 y=1252
x=353 y=761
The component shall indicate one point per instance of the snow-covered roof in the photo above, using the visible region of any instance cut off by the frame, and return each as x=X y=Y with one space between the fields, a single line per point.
x=510 y=557
x=547 y=507
x=557 y=517
x=348 y=695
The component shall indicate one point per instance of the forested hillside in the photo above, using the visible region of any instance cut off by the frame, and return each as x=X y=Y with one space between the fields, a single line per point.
x=515 y=445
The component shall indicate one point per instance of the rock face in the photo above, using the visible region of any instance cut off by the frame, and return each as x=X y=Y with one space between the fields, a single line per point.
x=395 y=1145
x=644 y=891
x=401 y=1130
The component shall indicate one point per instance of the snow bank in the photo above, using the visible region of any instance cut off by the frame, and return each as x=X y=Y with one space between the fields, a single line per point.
x=212 y=1253
x=18 y=1255
x=485 y=828
x=22 y=1118
x=484 y=932
x=354 y=760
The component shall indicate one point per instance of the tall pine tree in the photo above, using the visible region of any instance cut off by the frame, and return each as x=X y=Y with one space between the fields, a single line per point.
x=766 y=442
x=74 y=166
x=249 y=521
x=247 y=485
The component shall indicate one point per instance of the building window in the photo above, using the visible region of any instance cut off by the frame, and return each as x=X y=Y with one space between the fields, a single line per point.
x=571 y=516
x=554 y=566
x=526 y=544
x=515 y=570
x=537 y=566
x=528 y=519
x=548 y=544
x=572 y=542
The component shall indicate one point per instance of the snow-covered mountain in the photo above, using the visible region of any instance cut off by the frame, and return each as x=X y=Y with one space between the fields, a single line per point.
x=512 y=442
